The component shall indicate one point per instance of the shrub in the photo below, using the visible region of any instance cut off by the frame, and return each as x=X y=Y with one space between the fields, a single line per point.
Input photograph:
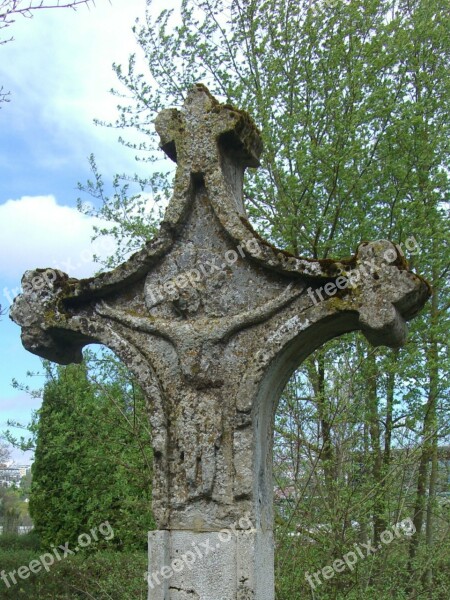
x=104 y=576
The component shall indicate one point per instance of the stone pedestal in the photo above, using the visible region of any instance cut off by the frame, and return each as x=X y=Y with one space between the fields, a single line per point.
x=230 y=564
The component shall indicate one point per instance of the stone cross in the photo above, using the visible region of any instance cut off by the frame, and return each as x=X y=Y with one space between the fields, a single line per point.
x=212 y=320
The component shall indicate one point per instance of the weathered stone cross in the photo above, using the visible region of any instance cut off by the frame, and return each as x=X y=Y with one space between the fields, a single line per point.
x=212 y=320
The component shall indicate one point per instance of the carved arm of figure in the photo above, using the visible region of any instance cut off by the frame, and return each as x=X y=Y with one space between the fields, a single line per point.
x=231 y=325
x=146 y=324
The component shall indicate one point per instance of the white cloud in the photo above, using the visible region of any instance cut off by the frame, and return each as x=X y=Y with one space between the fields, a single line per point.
x=59 y=71
x=21 y=402
x=35 y=231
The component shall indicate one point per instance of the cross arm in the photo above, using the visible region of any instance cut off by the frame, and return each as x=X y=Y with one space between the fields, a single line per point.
x=56 y=311
x=48 y=329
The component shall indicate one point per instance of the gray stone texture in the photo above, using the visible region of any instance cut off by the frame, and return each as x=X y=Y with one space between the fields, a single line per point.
x=213 y=355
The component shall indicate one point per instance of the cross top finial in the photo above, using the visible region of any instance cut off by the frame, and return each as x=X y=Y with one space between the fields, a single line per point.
x=203 y=129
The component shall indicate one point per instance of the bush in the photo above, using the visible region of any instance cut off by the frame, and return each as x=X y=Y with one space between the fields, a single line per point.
x=104 y=576
x=12 y=541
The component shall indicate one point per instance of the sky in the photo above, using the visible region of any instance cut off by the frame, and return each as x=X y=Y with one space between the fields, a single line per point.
x=58 y=69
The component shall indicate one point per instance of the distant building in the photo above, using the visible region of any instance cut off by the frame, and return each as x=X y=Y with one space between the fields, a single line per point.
x=24 y=470
x=12 y=474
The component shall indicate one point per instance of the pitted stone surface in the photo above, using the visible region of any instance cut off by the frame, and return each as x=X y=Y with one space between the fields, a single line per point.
x=212 y=320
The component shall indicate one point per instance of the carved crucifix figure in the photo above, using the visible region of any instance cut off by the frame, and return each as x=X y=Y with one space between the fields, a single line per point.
x=212 y=320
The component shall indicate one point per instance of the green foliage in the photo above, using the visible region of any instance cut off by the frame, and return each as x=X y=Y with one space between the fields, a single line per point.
x=354 y=584
x=129 y=217
x=13 y=510
x=93 y=459
x=330 y=495
x=28 y=542
x=103 y=576
x=351 y=98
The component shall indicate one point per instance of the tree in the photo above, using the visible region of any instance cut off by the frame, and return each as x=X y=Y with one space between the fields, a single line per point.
x=93 y=455
x=10 y=510
x=4 y=452
x=353 y=103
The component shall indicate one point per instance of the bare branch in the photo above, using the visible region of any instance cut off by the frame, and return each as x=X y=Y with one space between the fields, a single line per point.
x=9 y=9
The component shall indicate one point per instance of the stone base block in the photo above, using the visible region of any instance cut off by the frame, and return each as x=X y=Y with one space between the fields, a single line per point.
x=218 y=565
